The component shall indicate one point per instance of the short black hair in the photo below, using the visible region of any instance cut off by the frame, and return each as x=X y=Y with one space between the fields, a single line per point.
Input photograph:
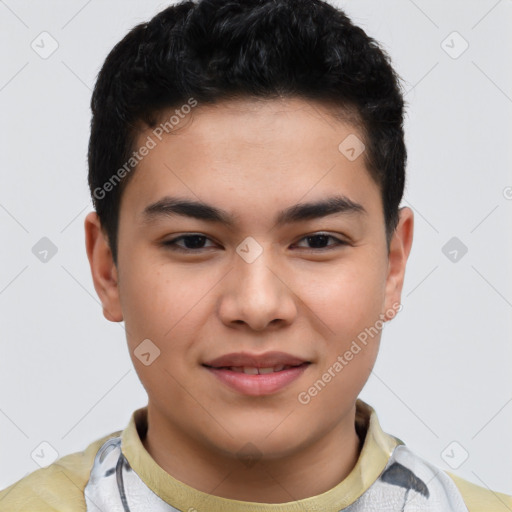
x=214 y=50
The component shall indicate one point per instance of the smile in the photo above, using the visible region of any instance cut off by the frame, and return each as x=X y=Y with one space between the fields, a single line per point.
x=254 y=381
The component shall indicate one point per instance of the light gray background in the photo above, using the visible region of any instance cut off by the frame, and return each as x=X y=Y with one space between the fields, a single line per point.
x=443 y=374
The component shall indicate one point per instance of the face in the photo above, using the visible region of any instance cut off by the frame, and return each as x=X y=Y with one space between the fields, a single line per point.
x=304 y=282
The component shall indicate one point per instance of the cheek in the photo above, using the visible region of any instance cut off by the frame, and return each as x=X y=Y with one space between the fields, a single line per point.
x=347 y=298
x=154 y=295
x=348 y=301
x=166 y=304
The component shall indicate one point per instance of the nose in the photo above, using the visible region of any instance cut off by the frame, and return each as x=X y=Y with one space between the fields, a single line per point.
x=257 y=295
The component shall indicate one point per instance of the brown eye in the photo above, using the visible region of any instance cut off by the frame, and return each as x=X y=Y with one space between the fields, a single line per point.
x=193 y=243
x=319 y=241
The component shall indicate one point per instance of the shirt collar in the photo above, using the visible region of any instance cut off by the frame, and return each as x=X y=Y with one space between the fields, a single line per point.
x=376 y=450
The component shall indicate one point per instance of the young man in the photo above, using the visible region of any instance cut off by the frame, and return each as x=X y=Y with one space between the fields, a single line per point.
x=247 y=164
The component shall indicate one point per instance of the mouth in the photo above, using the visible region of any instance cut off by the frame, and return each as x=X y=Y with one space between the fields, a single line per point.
x=257 y=375
x=268 y=361
x=252 y=370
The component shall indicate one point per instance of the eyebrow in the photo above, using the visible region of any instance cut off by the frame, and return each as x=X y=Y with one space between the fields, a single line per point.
x=171 y=206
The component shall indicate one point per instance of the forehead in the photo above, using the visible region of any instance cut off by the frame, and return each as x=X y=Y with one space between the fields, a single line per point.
x=250 y=154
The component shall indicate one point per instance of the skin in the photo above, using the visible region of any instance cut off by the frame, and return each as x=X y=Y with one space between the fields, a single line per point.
x=253 y=159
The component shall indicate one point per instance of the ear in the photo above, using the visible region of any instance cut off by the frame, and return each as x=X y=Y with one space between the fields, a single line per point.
x=399 y=249
x=103 y=269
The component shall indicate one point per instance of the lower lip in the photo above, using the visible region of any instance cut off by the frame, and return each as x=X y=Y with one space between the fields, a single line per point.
x=257 y=385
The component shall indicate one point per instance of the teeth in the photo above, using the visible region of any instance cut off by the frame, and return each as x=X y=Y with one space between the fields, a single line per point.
x=255 y=371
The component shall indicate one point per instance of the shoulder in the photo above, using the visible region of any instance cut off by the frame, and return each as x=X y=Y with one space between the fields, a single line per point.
x=481 y=499
x=411 y=480
x=59 y=486
x=425 y=487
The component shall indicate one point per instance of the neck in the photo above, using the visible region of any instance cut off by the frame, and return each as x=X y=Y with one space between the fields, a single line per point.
x=309 y=472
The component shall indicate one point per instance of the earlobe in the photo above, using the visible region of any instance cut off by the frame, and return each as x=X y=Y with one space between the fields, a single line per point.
x=103 y=269
x=399 y=250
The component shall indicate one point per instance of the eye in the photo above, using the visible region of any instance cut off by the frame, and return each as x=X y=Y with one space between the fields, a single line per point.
x=193 y=243
x=319 y=239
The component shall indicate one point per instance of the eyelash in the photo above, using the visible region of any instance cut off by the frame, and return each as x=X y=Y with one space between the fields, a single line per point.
x=171 y=244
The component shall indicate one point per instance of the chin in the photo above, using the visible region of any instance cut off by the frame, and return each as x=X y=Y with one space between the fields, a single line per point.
x=254 y=442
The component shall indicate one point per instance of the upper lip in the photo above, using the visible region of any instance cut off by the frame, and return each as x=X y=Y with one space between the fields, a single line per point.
x=247 y=360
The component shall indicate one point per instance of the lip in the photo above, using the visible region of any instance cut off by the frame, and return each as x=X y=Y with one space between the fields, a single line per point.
x=259 y=384
x=265 y=360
